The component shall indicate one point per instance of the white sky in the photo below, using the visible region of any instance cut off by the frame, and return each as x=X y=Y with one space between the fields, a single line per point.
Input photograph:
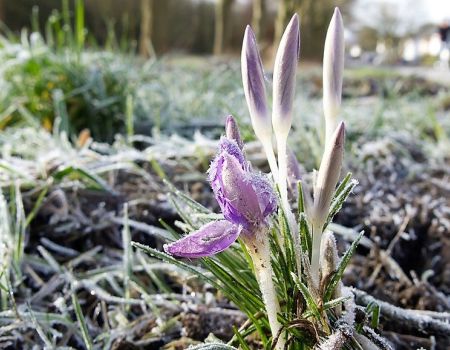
x=439 y=10
x=435 y=11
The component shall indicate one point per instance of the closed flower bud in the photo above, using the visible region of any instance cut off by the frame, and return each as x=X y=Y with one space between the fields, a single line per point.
x=294 y=170
x=254 y=87
x=333 y=68
x=328 y=175
x=284 y=74
x=328 y=264
x=328 y=255
x=232 y=131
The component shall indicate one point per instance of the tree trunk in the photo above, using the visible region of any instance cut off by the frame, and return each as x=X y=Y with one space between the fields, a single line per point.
x=145 y=47
x=258 y=18
x=222 y=25
x=286 y=9
x=2 y=11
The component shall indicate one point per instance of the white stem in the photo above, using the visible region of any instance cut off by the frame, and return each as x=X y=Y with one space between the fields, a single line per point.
x=282 y=184
x=330 y=127
x=282 y=169
x=268 y=149
x=259 y=249
x=293 y=227
x=315 y=259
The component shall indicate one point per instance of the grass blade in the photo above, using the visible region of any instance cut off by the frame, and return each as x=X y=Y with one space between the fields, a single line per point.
x=81 y=322
x=337 y=276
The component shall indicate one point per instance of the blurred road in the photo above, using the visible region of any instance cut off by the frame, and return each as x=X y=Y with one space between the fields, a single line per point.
x=437 y=74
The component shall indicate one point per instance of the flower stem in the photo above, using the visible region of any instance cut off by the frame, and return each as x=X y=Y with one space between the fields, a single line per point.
x=282 y=184
x=259 y=249
x=282 y=170
x=315 y=256
x=268 y=149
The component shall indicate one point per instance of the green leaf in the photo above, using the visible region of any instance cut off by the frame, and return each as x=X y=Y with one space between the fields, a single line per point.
x=332 y=303
x=212 y=346
x=342 y=185
x=169 y=259
x=82 y=322
x=186 y=199
x=82 y=174
x=305 y=235
x=300 y=200
x=36 y=206
x=312 y=305
x=79 y=25
x=241 y=340
x=343 y=191
x=374 y=310
x=337 y=276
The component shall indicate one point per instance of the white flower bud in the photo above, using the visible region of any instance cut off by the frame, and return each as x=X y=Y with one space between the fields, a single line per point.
x=333 y=68
x=284 y=73
x=328 y=175
x=254 y=87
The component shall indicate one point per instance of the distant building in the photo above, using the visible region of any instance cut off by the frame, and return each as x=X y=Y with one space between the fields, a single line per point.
x=427 y=42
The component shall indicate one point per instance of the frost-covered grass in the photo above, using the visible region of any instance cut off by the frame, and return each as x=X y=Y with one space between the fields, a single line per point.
x=58 y=262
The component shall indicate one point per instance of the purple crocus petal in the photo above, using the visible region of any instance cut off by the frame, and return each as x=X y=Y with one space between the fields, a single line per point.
x=234 y=192
x=232 y=131
x=284 y=73
x=254 y=86
x=266 y=196
x=232 y=148
x=226 y=146
x=294 y=169
x=208 y=240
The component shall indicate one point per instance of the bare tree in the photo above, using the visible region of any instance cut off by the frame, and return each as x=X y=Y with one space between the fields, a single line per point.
x=222 y=27
x=286 y=8
x=145 y=48
x=2 y=11
x=258 y=18
x=315 y=16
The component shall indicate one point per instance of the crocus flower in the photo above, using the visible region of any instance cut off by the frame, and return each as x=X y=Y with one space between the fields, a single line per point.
x=327 y=179
x=328 y=255
x=255 y=94
x=328 y=175
x=294 y=171
x=284 y=73
x=333 y=68
x=254 y=86
x=245 y=198
x=329 y=262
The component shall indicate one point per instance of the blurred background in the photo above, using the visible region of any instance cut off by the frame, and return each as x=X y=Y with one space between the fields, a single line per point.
x=379 y=31
x=82 y=61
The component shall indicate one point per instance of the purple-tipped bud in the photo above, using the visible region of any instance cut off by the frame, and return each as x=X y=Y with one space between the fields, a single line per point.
x=328 y=254
x=294 y=170
x=254 y=87
x=328 y=175
x=284 y=74
x=209 y=240
x=245 y=198
x=333 y=68
x=328 y=262
x=232 y=131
